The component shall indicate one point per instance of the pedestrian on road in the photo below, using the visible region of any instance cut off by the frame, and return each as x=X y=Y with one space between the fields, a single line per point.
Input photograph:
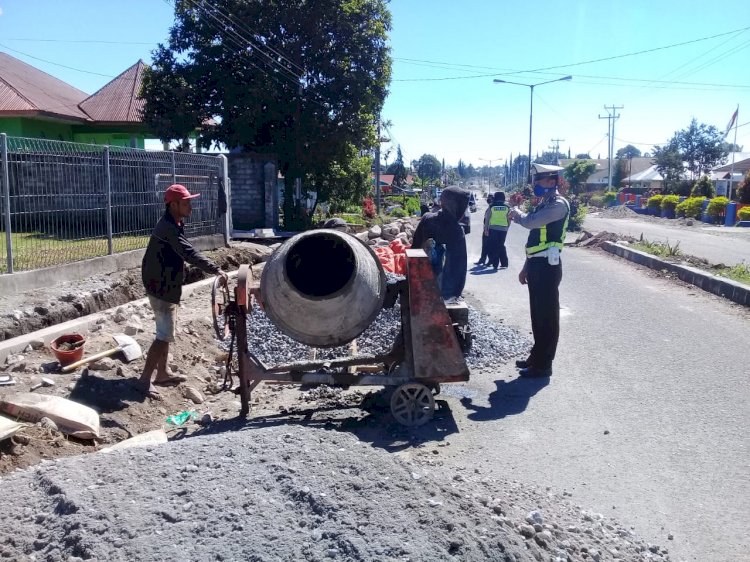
x=448 y=249
x=542 y=271
x=162 y=272
x=485 y=236
x=496 y=228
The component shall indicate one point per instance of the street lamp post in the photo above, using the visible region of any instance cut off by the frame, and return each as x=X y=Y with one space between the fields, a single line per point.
x=489 y=171
x=531 y=109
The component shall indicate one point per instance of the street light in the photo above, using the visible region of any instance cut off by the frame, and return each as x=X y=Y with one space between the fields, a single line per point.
x=531 y=108
x=489 y=171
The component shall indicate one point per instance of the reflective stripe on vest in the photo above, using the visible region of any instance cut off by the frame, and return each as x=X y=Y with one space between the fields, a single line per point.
x=558 y=236
x=499 y=216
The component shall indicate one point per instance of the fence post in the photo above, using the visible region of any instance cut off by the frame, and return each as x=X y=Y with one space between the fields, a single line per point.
x=174 y=168
x=224 y=166
x=108 y=186
x=6 y=199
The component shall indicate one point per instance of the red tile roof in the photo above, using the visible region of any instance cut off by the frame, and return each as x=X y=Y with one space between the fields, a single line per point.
x=27 y=90
x=118 y=101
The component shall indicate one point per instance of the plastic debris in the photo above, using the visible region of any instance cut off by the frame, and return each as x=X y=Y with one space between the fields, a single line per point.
x=182 y=418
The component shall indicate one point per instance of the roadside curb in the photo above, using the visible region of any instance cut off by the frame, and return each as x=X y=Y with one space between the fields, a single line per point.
x=732 y=290
x=82 y=324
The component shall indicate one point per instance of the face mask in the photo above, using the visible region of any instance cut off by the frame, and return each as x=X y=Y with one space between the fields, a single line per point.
x=541 y=191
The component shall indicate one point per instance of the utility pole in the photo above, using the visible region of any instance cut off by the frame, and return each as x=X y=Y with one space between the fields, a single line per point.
x=377 y=172
x=555 y=147
x=611 y=118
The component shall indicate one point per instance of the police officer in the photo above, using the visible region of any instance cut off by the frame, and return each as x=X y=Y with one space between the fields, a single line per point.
x=496 y=230
x=547 y=223
x=482 y=261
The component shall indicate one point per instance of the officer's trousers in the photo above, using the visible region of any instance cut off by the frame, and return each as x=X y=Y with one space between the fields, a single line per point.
x=496 y=251
x=544 y=298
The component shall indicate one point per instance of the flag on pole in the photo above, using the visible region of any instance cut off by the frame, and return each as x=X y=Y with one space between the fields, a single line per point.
x=732 y=121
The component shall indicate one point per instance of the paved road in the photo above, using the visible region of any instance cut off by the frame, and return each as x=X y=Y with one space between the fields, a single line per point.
x=646 y=417
x=715 y=244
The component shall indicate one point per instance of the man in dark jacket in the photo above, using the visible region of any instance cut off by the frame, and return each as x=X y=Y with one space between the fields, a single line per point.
x=162 y=272
x=448 y=236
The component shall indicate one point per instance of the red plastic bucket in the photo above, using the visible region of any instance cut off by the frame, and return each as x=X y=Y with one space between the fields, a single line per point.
x=65 y=356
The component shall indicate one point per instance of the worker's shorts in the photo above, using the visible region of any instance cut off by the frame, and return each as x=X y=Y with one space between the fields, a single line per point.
x=165 y=314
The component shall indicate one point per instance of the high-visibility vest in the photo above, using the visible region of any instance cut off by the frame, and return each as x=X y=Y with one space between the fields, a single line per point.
x=551 y=235
x=499 y=216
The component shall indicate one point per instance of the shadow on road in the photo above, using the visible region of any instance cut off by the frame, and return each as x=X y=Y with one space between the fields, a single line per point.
x=509 y=399
x=376 y=426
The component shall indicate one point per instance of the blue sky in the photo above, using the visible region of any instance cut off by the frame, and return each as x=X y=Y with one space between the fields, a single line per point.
x=442 y=99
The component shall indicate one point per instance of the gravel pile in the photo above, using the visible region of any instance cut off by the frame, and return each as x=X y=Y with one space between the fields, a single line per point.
x=272 y=493
x=491 y=344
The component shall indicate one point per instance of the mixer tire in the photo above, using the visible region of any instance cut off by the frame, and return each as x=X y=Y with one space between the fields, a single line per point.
x=412 y=404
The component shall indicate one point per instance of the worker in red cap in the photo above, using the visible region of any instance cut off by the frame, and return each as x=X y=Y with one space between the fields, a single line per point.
x=162 y=272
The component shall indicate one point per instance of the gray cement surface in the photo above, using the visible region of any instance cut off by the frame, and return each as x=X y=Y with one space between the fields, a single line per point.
x=646 y=412
x=715 y=244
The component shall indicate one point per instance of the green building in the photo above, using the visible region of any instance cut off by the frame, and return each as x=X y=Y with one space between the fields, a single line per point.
x=34 y=104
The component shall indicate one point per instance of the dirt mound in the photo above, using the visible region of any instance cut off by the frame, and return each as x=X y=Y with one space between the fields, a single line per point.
x=588 y=240
x=618 y=212
x=290 y=493
x=27 y=312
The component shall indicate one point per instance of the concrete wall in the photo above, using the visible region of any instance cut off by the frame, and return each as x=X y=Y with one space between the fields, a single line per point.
x=13 y=283
x=254 y=196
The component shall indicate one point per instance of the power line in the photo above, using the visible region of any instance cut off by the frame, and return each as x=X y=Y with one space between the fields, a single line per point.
x=643 y=52
x=56 y=63
x=96 y=41
x=243 y=26
x=238 y=40
x=539 y=70
x=201 y=5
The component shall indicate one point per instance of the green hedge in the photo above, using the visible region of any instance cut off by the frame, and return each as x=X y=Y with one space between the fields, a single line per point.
x=654 y=202
x=609 y=197
x=596 y=201
x=743 y=214
x=669 y=202
x=717 y=207
x=575 y=222
x=690 y=207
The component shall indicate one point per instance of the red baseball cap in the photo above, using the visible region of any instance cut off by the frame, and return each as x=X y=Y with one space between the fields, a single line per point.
x=178 y=192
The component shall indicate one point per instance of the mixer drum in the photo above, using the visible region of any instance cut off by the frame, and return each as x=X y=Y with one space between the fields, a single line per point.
x=323 y=287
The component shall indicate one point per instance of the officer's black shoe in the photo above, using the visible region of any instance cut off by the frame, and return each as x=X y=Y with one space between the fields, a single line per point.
x=522 y=363
x=534 y=373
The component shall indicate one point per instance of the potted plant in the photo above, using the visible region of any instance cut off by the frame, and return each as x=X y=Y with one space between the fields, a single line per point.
x=654 y=205
x=668 y=206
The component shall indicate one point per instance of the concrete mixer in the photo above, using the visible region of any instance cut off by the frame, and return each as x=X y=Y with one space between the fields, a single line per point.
x=324 y=288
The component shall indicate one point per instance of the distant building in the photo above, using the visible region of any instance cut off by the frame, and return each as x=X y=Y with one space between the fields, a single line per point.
x=721 y=174
x=386 y=181
x=35 y=104
x=600 y=178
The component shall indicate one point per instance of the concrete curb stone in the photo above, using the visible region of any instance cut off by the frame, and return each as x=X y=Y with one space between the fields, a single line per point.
x=727 y=288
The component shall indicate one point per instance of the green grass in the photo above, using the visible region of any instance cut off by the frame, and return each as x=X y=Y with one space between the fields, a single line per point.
x=658 y=249
x=35 y=250
x=739 y=272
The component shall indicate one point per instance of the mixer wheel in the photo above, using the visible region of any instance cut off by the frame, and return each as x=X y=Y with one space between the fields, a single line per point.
x=412 y=404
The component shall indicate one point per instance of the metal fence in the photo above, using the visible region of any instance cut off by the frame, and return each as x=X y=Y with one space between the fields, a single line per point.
x=62 y=202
